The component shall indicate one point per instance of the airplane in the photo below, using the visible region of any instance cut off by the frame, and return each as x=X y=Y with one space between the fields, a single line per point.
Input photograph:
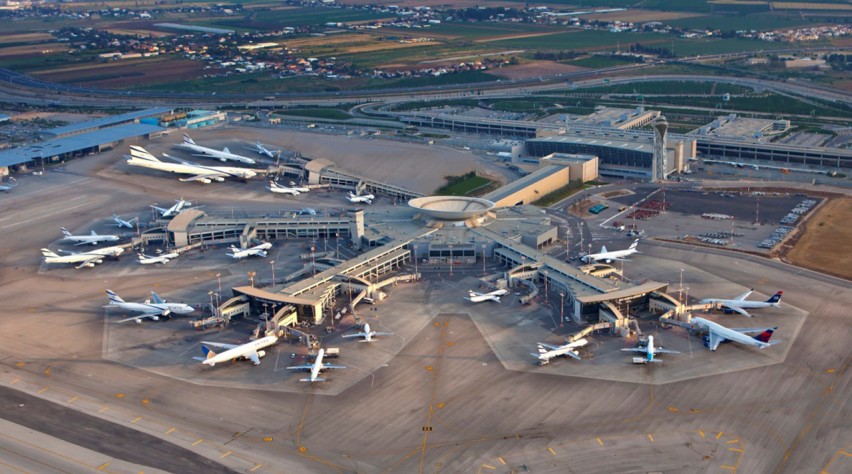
x=205 y=174
x=250 y=350
x=279 y=189
x=650 y=351
x=162 y=258
x=223 y=155
x=547 y=351
x=123 y=223
x=8 y=187
x=368 y=198
x=152 y=309
x=306 y=211
x=717 y=334
x=262 y=150
x=85 y=259
x=92 y=239
x=610 y=256
x=738 y=304
x=316 y=368
x=367 y=334
x=480 y=297
x=259 y=250
x=174 y=210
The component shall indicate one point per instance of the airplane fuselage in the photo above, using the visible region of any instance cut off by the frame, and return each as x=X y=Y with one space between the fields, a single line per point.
x=242 y=351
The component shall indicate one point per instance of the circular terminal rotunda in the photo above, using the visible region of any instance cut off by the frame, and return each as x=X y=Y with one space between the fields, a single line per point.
x=452 y=208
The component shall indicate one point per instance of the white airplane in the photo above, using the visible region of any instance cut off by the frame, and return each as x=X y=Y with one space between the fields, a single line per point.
x=306 y=211
x=279 y=189
x=152 y=309
x=739 y=304
x=119 y=222
x=368 y=198
x=224 y=155
x=259 y=250
x=610 y=256
x=650 y=351
x=162 y=258
x=367 y=334
x=717 y=334
x=316 y=368
x=91 y=239
x=205 y=174
x=250 y=350
x=547 y=351
x=475 y=297
x=7 y=187
x=84 y=259
x=262 y=150
x=174 y=210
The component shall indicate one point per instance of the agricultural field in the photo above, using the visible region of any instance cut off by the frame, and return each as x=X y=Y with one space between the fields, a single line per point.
x=761 y=22
x=599 y=62
x=581 y=40
x=124 y=74
x=529 y=69
x=277 y=18
x=640 y=16
x=824 y=233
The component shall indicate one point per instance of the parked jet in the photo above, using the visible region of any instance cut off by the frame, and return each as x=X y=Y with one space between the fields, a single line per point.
x=306 y=211
x=279 y=189
x=250 y=350
x=475 y=297
x=180 y=205
x=91 y=239
x=547 y=351
x=259 y=250
x=367 y=334
x=224 y=155
x=316 y=368
x=84 y=259
x=610 y=256
x=262 y=150
x=162 y=258
x=205 y=174
x=7 y=187
x=650 y=351
x=717 y=334
x=739 y=304
x=368 y=198
x=123 y=223
x=153 y=308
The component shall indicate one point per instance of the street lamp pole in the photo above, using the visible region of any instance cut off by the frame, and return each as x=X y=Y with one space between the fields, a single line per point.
x=451 y=259
x=272 y=265
x=680 y=292
x=561 y=309
x=483 y=259
x=219 y=281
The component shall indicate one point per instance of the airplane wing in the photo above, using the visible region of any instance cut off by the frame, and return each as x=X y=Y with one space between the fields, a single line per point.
x=254 y=358
x=201 y=177
x=382 y=334
x=634 y=349
x=360 y=334
x=714 y=340
x=572 y=354
x=332 y=366
x=89 y=262
x=82 y=243
x=737 y=309
x=219 y=344
x=301 y=367
x=744 y=295
x=153 y=316
x=660 y=350
x=548 y=346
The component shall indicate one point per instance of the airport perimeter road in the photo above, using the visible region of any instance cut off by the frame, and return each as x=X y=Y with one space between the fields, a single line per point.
x=109 y=439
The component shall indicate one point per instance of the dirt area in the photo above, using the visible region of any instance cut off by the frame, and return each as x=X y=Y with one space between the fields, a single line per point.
x=58 y=116
x=388 y=45
x=638 y=16
x=516 y=36
x=23 y=37
x=534 y=69
x=823 y=245
x=33 y=49
x=581 y=209
x=328 y=40
x=121 y=74
x=615 y=194
x=434 y=3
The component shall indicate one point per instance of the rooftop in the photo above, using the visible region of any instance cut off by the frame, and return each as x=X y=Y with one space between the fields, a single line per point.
x=107 y=121
x=451 y=208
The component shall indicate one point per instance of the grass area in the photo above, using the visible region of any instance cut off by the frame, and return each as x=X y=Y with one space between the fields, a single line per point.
x=825 y=232
x=769 y=103
x=276 y=19
x=579 y=40
x=331 y=114
x=671 y=87
x=599 y=62
x=762 y=22
x=562 y=193
x=463 y=185
x=474 y=31
x=465 y=77
x=428 y=104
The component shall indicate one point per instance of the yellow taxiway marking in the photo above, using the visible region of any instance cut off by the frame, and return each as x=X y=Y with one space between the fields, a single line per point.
x=226 y=454
x=13 y=382
x=441 y=405
x=429 y=368
x=552 y=451
x=720 y=434
x=103 y=466
x=136 y=419
x=600 y=442
x=267 y=439
x=103 y=409
x=845 y=453
x=20 y=364
x=733 y=441
x=732 y=468
x=73 y=399
x=119 y=395
x=43 y=389
x=502 y=461
x=48 y=371
x=171 y=430
x=256 y=467
x=303 y=449
x=738 y=450
x=451 y=344
x=830 y=371
x=200 y=440
x=488 y=466
x=701 y=433
x=650 y=437
x=145 y=401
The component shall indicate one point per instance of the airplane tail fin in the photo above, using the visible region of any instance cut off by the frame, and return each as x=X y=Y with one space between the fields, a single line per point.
x=765 y=335
x=634 y=244
x=65 y=232
x=114 y=298
x=188 y=139
x=541 y=349
x=226 y=150
x=776 y=298
x=208 y=352
x=48 y=253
